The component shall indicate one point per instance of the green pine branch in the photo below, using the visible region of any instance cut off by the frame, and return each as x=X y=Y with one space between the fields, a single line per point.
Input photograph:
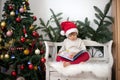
x=101 y=34
x=103 y=21
x=51 y=31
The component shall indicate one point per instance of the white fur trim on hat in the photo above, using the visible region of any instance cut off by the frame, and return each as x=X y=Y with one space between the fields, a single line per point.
x=62 y=33
x=70 y=31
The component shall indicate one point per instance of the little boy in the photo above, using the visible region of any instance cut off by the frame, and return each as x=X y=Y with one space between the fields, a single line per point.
x=72 y=44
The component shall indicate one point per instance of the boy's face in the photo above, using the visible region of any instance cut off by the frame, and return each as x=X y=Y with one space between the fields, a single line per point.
x=72 y=36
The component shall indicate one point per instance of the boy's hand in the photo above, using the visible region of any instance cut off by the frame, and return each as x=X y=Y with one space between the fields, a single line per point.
x=59 y=52
x=72 y=55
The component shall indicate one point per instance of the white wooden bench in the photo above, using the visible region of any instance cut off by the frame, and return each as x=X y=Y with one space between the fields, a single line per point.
x=98 y=67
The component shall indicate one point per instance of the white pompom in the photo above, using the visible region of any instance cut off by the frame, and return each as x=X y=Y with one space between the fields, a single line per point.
x=62 y=33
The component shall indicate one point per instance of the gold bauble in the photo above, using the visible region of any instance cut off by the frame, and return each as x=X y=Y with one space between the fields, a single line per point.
x=12 y=13
x=35 y=67
x=26 y=51
x=1 y=56
x=31 y=27
x=0 y=39
x=24 y=8
x=3 y=24
x=7 y=56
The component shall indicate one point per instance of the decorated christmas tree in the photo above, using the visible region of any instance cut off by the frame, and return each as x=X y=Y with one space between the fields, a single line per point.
x=21 y=46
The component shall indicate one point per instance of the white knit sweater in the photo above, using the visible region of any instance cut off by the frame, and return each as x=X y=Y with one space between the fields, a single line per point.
x=73 y=46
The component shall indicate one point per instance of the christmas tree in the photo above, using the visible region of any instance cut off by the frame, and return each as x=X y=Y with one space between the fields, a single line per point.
x=21 y=46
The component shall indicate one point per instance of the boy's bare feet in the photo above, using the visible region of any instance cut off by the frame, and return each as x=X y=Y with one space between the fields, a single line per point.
x=65 y=64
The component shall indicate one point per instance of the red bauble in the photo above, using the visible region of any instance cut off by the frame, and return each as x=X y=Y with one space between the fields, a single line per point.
x=30 y=66
x=10 y=7
x=13 y=73
x=18 y=19
x=35 y=18
x=42 y=51
x=35 y=34
x=43 y=60
x=22 y=67
x=22 y=39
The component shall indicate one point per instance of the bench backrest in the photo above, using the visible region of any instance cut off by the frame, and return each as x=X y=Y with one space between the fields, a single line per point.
x=98 y=51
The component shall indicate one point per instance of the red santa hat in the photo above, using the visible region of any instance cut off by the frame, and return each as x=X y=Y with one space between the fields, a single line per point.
x=68 y=27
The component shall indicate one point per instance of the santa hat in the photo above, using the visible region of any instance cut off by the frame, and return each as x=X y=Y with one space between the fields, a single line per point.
x=68 y=27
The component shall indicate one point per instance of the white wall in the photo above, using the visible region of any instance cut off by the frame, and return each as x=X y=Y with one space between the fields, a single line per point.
x=74 y=9
x=1 y=7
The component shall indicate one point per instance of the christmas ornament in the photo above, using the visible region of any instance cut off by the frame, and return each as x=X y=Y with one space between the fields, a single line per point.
x=22 y=67
x=18 y=19
x=31 y=27
x=35 y=34
x=39 y=68
x=29 y=62
x=21 y=10
x=26 y=51
x=12 y=57
x=24 y=8
x=43 y=60
x=12 y=49
x=13 y=73
x=23 y=2
x=19 y=48
x=9 y=33
x=20 y=78
x=6 y=56
x=22 y=39
x=34 y=18
x=37 y=51
x=1 y=56
x=12 y=13
x=1 y=39
x=10 y=7
x=30 y=66
x=3 y=24
x=42 y=51
x=16 y=12
x=35 y=67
